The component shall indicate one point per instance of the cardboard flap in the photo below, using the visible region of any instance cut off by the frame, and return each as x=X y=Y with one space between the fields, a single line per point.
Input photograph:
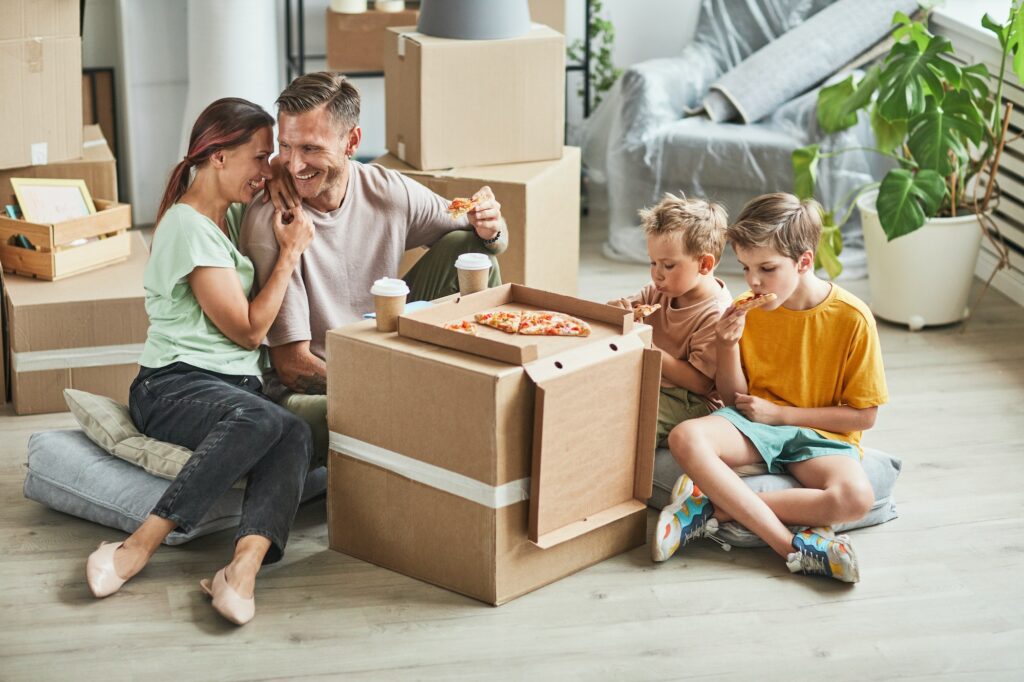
x=647 y=427
x=589 y=407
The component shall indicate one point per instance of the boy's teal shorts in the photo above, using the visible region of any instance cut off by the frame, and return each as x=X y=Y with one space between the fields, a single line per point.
x=782 y=445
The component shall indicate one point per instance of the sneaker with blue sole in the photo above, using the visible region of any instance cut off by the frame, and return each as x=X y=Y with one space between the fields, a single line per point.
x=687 y=517
x=819 y=551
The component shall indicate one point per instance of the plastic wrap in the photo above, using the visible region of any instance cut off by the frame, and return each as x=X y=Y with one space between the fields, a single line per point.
x=640 y=143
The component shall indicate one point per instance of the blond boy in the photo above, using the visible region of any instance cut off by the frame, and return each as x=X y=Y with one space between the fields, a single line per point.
x=685 y=238
x=802 y=378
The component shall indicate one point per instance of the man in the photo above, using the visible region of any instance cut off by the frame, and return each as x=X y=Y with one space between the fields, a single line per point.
x=365 y=218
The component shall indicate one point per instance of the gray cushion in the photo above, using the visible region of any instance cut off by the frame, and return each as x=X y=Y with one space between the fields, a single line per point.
x=70 y=473
x=882 y=470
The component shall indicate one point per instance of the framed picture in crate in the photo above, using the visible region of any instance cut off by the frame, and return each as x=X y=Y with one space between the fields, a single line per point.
x=43 y=200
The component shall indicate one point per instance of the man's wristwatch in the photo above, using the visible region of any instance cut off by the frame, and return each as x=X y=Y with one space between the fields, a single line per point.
x=493 y=239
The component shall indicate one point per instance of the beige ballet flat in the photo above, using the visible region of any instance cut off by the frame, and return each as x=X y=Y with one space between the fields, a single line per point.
x=99 y=571
x=227 y=602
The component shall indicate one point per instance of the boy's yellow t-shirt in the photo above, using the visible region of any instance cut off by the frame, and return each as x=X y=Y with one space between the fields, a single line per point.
x=823 y=357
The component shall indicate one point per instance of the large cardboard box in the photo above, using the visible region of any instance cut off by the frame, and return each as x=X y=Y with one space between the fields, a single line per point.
x=96 y=166
x=540 y=202
x=474 y=102
x=549 y=12
x=20 y=19
x=496 y=464
x=85 y=333
x=355 y=42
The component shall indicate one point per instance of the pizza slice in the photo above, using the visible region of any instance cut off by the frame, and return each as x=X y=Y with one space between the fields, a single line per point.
x=643 y=310
x=547 y=323
x=750 y=300
x=504 y=320
x=461 y=326
x=460 y=207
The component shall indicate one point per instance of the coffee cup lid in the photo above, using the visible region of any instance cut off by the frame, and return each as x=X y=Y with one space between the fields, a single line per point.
x=473 y=261
x=388 y=286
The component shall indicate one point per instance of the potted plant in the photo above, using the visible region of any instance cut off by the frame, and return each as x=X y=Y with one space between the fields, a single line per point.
x=944 y=128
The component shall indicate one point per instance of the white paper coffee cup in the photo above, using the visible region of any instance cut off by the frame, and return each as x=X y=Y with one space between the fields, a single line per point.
x=389 y=302
x=474 y=269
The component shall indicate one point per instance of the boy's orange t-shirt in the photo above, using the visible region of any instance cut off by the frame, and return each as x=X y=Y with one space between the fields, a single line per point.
x=827 y=356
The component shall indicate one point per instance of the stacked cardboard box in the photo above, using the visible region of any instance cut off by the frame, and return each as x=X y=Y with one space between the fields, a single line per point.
x=85 y=333
x=484 y=464
x=41 y=91
x=461 y=114
x=355 y=42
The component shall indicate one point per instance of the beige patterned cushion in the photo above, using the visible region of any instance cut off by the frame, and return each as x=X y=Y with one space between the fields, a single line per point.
x=108 y=424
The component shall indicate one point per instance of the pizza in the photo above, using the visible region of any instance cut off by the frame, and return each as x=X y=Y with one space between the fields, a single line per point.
x=504 y=320
x=462 y=326
x=749 y=301
x=460 y=207
x=642 y=310
x=547 y=323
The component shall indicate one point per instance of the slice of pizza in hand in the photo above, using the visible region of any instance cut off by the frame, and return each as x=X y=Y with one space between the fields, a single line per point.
x=642 y=310
x=547 y=323
x=461 y=326
x=751 y=300
x=504 y=320
x=460 y=207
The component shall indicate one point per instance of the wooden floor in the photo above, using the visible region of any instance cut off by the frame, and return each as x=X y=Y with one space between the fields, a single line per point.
x=941 y=596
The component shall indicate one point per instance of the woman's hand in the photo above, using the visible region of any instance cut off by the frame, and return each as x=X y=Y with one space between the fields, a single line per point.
x=293 y=237
x=759 y=410
x=729 y=327
x=280 y=189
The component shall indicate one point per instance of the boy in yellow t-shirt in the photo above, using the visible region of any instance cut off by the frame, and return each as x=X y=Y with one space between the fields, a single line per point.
x=802 y=378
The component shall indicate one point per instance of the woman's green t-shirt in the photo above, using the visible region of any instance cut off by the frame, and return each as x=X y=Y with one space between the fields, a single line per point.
x=179 y=330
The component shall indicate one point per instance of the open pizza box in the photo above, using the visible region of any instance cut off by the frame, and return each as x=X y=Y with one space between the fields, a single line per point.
x=595 y=404
x=496 y=464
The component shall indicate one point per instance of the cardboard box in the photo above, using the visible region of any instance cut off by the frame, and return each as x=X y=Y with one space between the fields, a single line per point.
x=55 y=256
x=488 y=465
x=86 y=333
x=21 y=19
x=540 y=202
x=548 y=12
x=474 y=102
x=40 y=101
x=96 y=166
x=355 y=42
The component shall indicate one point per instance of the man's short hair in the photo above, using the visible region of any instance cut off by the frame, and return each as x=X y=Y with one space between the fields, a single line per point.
x=312 y=90
x=698 y=224
x=780 y=221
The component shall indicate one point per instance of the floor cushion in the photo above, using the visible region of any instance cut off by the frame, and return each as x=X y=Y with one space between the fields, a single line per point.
x=70 y=473
x=882 y=470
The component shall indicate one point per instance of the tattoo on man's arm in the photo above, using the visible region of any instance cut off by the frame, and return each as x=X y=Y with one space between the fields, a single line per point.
x=311 y=384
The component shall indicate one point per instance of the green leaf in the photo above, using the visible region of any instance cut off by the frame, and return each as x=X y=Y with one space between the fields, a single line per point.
x=994 y=26
x=910 y=75
x=805 y=169
x=915 y=31
x=1015 y=38
x=906 y=199
x=889 y=135
x=945 y=127
x=976 y=79
x=833 y=113
x=830 y=244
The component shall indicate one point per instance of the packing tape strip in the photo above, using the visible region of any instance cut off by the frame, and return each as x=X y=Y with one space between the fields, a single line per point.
x=71 y=358
x=495 y=497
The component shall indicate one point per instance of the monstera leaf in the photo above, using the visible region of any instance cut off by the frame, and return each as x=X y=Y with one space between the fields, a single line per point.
x=906 y=199
x=805 y=170
x=830 y=245
x=838 y=104
x=889 y=135
x=910 y=75
x=944 y=127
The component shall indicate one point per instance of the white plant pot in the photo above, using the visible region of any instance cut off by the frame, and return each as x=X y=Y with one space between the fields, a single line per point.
x=922 y=278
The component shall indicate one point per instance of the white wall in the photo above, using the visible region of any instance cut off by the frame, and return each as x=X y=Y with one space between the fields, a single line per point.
x=146 y=42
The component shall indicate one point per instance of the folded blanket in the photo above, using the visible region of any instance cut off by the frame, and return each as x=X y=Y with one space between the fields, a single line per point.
x=801 y=58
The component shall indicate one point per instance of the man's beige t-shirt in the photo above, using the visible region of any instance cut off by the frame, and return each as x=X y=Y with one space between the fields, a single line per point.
x=383 y=214
x=688 y=333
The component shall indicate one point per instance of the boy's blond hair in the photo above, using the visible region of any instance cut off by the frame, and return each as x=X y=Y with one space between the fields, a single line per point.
x=699 y=224
x=779 y=221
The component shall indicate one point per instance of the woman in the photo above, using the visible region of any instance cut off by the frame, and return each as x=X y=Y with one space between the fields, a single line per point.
x=198 y=385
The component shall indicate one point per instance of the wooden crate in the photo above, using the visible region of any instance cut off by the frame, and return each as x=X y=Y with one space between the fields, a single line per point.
x=53 y=256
